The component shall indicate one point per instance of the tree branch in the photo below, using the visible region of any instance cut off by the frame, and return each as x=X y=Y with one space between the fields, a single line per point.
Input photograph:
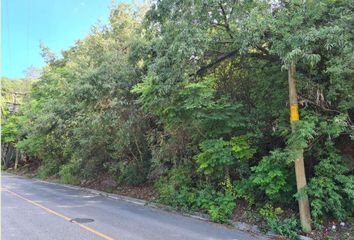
x=231 y=54
x=305 y=101
x=226 y=24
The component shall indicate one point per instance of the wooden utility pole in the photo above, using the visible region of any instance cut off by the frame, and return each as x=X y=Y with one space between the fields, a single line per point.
x=304 y=206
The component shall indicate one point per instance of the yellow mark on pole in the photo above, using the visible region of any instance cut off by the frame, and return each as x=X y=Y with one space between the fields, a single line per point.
x=294 y=113
x=59 y=215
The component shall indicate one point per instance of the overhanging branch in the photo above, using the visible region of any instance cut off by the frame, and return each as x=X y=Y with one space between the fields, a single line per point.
x=231 y=54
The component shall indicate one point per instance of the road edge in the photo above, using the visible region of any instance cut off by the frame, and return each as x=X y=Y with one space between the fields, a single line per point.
x=245 y=227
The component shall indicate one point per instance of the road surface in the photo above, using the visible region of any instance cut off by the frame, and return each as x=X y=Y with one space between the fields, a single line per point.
x=35 y=210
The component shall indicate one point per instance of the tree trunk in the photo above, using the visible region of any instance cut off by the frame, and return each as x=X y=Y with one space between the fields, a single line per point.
x=4 y=150
x=16 y=159
x=8 y=156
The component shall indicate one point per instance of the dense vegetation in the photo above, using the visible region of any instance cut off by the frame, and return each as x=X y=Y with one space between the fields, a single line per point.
x=14 y=93
x=192 y=97
x=11 y=86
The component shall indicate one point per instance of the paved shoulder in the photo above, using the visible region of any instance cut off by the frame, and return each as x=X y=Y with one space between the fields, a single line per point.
x=36 y=210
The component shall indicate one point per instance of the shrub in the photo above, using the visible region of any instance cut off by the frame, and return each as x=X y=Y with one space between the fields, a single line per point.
x=332 y=189
x=245 y=189
x=33 y=146
x=69 y=173
x=286 y=227
x=133 y=173
x=171 y=185
x=221 y=207
x=274 y=175
x=48 y=168
x=177 y=190
x=216 y=155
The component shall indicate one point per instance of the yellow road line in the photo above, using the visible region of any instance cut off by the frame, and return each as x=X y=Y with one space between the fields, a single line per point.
x=59 y=215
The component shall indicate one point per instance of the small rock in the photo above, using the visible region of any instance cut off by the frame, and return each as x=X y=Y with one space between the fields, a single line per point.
x=342 y=224
x=300 y=237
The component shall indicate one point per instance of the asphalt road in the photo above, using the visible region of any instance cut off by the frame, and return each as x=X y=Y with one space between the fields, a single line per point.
x=35 y=210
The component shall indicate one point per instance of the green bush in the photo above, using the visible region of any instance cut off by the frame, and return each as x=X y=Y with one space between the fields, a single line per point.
x=217 y=154
x=331 y=190
x=218 y=204
x=48 y=168
x=69 y=173
x=221 y=207
x=33 y=146
x=245 y=189
x=171 y=185
x=177 y=190
x=132 y=173
x=274 y=175
x=10 y=128
x=286 y=227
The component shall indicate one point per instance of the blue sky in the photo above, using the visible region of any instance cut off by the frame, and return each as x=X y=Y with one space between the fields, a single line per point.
x=57 y=23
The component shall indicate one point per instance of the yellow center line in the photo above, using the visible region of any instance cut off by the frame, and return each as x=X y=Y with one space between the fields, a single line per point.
x=59 y=215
